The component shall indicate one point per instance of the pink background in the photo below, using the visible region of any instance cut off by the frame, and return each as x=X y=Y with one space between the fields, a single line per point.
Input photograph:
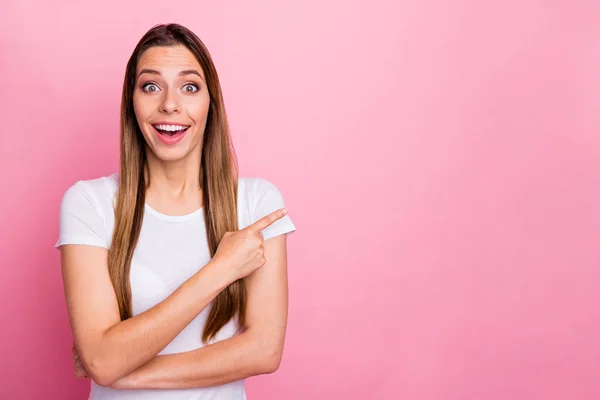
x=441 y=160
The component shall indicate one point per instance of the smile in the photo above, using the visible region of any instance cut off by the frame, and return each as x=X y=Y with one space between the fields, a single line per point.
x=170 y=134
x=169 y=129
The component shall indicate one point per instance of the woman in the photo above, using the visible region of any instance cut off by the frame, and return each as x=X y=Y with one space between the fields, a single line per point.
x=174 y=269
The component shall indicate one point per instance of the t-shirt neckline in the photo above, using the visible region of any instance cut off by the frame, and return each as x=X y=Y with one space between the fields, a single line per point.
x=167 y=217
x=158 y=214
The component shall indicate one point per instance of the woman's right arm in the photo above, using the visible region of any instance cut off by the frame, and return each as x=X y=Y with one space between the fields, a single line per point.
x=110 y=348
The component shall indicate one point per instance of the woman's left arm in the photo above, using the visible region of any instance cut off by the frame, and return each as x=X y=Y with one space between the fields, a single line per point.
x=255 y=351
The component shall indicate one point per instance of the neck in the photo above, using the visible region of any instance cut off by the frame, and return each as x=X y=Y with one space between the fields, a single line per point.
x=176 y=180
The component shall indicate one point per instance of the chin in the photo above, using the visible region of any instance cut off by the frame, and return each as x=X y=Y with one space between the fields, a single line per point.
x=173 y=153
x=170 y=156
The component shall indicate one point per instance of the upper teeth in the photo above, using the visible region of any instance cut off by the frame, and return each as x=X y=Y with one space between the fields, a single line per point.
x=170 y=127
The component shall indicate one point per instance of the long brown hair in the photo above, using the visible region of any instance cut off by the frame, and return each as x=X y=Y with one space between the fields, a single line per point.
x=218 y=180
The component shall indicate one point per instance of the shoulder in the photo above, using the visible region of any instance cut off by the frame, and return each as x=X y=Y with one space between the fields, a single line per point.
x=85 y=209
x=256 y=186
x=257 y=190
x=261 y=196
x=96 y=186
x=96 y=194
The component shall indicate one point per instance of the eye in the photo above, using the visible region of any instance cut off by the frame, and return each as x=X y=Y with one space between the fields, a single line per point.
x=192 y=85
x=149 y=85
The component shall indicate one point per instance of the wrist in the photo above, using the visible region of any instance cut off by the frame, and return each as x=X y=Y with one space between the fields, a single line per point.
x=217 y=273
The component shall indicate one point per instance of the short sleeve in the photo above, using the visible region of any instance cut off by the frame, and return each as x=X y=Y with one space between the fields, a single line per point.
x=267 y=199
x=80 y=220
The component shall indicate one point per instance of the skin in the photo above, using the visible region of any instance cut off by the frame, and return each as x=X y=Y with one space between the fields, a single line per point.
x=167 y=96
x=123 y=354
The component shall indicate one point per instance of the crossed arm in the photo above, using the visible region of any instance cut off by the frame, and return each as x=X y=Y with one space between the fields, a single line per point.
x=255 y=351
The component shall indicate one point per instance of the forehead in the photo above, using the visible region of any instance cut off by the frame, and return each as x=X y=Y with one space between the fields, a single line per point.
x=168 y=60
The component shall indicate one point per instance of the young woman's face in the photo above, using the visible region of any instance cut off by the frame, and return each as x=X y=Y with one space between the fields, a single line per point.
x=171 y=101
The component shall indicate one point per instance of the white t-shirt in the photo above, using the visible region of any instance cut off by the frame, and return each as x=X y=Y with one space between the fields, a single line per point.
x=170 y=250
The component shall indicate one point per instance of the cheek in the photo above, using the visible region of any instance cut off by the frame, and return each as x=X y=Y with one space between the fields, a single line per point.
x=143 y=110
x=140 y=107
x=198 y=110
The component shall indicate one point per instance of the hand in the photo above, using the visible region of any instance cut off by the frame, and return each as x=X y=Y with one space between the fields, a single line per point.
x=80 y=372
x=242 y=252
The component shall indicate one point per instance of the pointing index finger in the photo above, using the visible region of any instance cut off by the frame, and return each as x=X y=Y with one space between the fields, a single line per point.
x=267 y=220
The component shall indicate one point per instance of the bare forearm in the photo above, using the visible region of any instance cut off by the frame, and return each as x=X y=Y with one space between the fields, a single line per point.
x=133 y=342
x=229 y=360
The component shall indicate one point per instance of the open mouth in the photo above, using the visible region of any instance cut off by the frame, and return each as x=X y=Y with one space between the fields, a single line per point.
x=170 y=134
x=170 y=130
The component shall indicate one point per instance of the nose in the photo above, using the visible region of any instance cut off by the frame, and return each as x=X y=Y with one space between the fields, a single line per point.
x=170 y=102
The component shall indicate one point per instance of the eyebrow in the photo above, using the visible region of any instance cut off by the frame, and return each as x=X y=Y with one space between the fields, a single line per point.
x=184 y=72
